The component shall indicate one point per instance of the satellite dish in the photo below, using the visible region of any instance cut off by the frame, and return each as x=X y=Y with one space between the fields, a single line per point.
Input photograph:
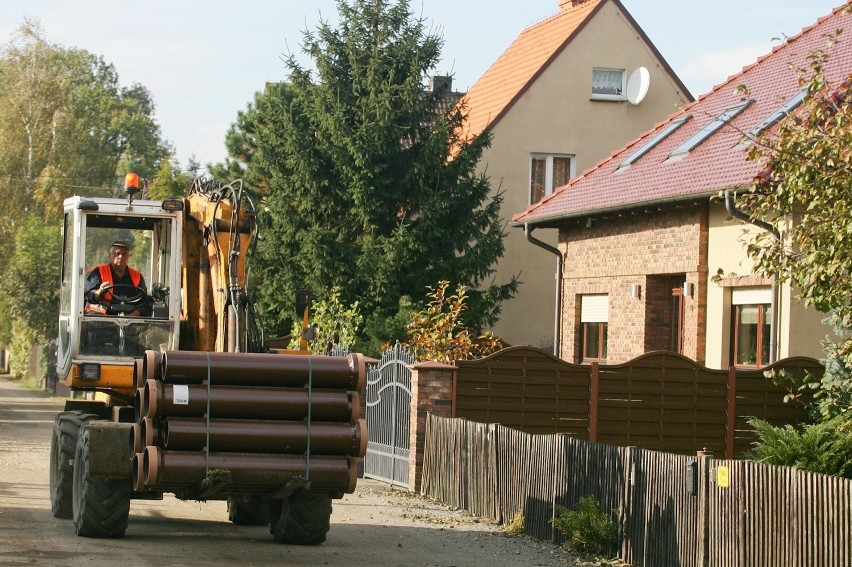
x=637 y=85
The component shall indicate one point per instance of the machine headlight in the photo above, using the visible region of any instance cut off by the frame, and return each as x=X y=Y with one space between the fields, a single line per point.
x=90 y=371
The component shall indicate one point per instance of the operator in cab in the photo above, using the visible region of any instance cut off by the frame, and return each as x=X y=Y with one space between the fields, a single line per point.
x=102 y=279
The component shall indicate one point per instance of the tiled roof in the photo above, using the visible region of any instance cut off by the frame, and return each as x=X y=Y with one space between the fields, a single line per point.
x=508 y=77
x=719 y=162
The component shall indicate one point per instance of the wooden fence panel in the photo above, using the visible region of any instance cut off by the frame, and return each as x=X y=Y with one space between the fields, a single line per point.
x=460 y=465
x=526 y=389
x=739 y=512
x=757 y=396
x=778 y=516
x=660 y=401
x=513 y=449
x=545 y=484
x=591 y=469
x=668 y=512
x=481 y=468
x=441 y=479
x=664 y=402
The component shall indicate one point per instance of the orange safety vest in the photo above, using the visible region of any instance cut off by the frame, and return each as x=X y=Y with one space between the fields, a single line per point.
x=106 y=298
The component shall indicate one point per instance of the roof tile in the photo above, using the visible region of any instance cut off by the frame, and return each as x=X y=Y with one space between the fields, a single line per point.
x=520 y=64
x=720 y=161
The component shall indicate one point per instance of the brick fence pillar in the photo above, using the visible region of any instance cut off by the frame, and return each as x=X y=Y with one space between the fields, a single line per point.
x=432 y=391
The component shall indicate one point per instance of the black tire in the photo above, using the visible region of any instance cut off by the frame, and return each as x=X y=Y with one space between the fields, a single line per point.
x=303 y=519
x=63 y=444
x=253 y=511
x=101 y=505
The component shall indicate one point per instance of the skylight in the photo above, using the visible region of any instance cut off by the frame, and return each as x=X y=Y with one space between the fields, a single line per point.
x=653 y=142
x=778 y=114
x=711 y=128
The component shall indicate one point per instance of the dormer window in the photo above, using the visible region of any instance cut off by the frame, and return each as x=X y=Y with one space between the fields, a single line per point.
x=608 y=84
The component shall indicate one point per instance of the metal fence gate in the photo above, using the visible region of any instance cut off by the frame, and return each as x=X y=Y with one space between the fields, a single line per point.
x=389 y=417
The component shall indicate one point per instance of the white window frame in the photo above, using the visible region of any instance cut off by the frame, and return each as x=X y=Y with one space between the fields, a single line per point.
x=761 y=299
x=606 y=96
x=548 y=172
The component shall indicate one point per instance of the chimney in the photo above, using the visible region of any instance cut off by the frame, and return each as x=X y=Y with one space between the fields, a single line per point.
x=441 y=84
x=565 y=5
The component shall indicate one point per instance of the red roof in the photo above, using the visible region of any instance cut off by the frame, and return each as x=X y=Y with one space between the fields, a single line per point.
x=719 y=162
x=508 y=77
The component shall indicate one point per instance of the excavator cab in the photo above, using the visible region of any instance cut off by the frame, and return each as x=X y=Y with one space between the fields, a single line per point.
x=97 y=350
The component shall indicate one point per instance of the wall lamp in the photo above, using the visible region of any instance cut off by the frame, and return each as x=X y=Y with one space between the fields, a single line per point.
x=688 y=289
x=635 y=291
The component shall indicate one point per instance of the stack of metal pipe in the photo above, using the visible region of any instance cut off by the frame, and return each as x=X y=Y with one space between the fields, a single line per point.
x=211 y=425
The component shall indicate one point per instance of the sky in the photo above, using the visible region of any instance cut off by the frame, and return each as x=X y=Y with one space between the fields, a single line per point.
x=203 y=60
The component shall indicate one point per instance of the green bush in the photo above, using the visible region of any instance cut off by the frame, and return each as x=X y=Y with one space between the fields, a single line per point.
x=23 y=339
x=589 y=529
x=824 y=447
x=335 y=325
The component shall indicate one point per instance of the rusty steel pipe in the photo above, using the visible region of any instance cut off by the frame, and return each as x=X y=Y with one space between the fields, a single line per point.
x=149 y=431
x=138 y=370
x=149 y=367
x=264 y=369
x=248 y=402
x=137 y=443
x=137 y=481
x=248 y=470
x=253 y=436
x=138 y=472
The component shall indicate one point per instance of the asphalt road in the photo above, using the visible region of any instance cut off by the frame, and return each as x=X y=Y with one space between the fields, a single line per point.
x=376 y=526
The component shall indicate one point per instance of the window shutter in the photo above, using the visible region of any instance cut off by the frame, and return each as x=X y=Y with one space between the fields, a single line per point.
x=751 y=296
x=594 y=309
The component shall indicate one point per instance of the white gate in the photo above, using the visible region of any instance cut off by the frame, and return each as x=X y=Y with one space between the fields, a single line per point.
x=389 y=417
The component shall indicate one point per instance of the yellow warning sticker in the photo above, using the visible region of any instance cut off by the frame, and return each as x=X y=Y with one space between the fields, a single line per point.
x=723 y=478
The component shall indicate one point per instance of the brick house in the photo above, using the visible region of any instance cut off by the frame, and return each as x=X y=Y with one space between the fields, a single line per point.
x=643 y=233
x=554 y=103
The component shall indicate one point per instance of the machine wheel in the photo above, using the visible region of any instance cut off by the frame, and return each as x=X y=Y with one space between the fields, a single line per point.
x=252 y=511
x=63 y=444
x=101 y=505
x=303 y=519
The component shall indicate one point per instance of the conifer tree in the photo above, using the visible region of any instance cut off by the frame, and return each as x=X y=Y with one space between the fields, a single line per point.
x=368 y=182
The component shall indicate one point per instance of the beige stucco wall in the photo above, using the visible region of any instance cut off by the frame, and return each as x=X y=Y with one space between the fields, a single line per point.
x=800 y=329
x=556 y=116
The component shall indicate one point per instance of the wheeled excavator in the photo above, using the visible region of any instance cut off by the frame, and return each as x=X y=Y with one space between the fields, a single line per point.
x=189 y=399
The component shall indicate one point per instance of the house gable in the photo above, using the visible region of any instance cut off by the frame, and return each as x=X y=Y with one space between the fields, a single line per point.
x=718 y=162
x=642 y=228
x=537 y=103
x=532 y=52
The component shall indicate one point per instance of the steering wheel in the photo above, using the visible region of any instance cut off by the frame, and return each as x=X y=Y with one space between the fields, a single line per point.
x=125 y=298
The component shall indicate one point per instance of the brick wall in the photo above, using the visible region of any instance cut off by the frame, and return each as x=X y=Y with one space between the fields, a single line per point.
x=649 y=249
x=431 y=392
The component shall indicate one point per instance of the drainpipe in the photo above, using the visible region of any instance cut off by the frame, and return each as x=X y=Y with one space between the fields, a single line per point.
x=559 y=262
x=737 y=214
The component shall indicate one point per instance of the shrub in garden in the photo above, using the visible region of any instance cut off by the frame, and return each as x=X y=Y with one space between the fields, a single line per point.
x=589 y=529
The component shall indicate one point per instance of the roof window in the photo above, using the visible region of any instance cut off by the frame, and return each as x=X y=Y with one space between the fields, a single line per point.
x=778 y=114
x=708 y=130
x=653 y=142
